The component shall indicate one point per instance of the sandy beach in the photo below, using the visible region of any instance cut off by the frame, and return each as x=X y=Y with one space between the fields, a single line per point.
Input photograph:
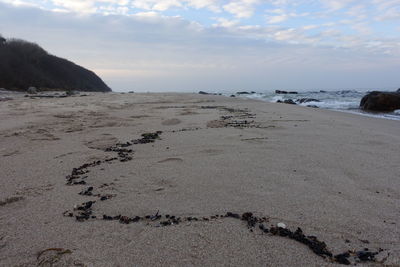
x=335 y=175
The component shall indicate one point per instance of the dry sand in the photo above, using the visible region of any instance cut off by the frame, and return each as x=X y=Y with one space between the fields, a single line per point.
x=333 y=174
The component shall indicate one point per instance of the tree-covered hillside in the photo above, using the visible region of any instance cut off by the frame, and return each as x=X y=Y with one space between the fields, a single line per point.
x=24 y=64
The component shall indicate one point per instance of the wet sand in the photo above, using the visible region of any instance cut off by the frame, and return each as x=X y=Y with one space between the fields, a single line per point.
x=334 y=175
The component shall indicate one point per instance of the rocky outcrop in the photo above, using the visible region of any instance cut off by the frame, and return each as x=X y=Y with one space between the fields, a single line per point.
x=306 y=100
x=285 y=92
x=245 y=93
x=24 y=64
x=203 y=93
x=381 y=101
x=287 y=101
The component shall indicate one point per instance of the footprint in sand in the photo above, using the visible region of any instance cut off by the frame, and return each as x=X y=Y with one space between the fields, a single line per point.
x=10 y=153
x=101 y=143
x=3 y=240
x=42 y=134
x=212 y=152
x=171 y=122
x=171 y=160
x=139 y=116
x=188 y=112
x=10 y=200
x=34 y=191
x=57 y=257
x=74 y=128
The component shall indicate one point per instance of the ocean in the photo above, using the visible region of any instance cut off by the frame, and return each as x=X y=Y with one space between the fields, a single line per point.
x=341 y=100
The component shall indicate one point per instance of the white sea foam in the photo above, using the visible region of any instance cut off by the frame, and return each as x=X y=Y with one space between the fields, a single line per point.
x=345 y=100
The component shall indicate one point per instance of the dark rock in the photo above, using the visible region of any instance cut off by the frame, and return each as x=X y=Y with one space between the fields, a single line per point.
x=285 y=92
x=243 y=93
x=287 y=101
x=312 y=106
x=233 y=96
x=306 y=100
x=203 y=93
x=381 y=101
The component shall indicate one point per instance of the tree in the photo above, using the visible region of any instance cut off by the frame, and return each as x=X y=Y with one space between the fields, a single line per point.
x=2 y=39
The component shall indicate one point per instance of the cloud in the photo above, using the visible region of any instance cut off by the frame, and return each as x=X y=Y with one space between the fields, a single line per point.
x=226 y=23
x=150 y=49
x=242 y=8
x=335 y=5
x=277 y=18
x=281 y=15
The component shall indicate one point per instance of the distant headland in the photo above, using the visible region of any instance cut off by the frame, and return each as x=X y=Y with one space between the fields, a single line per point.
x=24 y=64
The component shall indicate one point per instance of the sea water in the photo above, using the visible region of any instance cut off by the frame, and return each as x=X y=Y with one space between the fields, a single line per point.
x=341 y=100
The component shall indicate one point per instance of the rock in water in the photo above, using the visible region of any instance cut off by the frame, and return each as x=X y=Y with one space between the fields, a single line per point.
x=203 y=93
x=243 y=93
x=287 y=101
x=381 y=101
x=306 y=100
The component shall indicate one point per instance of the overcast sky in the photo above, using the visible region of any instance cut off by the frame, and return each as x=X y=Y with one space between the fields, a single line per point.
x=218 y=45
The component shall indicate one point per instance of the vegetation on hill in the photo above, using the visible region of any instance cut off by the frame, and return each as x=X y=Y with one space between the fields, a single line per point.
x=24 y=64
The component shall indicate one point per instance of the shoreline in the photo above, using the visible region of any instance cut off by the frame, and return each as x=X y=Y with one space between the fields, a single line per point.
x=358 y=111
x=333 y=174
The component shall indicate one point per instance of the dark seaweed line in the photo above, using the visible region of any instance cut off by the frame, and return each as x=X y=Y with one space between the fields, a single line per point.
x=85 y=211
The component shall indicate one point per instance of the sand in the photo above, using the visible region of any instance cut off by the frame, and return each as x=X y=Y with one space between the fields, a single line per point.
x=335 y=175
